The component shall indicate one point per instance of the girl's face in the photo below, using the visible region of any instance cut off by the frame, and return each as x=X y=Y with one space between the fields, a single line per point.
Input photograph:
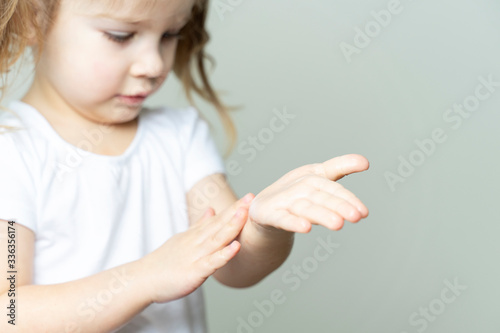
x=102 y=60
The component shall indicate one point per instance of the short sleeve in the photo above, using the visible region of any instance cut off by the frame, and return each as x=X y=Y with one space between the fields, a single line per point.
x=17 y=184
x=201 y=155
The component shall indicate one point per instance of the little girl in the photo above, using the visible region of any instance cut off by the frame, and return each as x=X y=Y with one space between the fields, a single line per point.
x=103 y=225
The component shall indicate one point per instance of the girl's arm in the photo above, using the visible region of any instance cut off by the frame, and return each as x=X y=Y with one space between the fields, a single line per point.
x=304 y=196
x=76 y=306
x=262 y=250
x=107 y=300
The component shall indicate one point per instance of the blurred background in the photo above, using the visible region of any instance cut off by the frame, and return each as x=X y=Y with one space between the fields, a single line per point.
x=415 y=87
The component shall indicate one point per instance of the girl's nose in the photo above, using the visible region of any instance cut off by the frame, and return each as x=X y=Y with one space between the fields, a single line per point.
x=149 y=64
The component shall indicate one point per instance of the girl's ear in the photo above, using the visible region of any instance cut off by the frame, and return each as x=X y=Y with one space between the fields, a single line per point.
x=32 y=35
x=34 y=26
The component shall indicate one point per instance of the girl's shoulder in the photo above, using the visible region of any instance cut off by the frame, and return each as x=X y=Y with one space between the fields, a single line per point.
x=20 y=156
x=18 y=150
x=17 y=133
x=9 y=120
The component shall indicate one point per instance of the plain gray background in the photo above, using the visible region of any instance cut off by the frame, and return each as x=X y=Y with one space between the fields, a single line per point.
x=438 y=227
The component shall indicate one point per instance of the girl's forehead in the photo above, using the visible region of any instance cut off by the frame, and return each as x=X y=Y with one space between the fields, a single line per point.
x=132 y=9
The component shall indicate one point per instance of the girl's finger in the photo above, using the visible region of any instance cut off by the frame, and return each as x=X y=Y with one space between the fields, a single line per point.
x=214 y=261
x=338 y=167
x=317 y=214
x=205 y=218
x=226 y=215
x=335 y=204
x=209 y=222
x=336 y=189
x=285 y=220
x=208 y=213
x=230 y=229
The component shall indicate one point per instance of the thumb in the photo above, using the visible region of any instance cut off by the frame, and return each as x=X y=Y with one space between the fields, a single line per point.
x=338 y=167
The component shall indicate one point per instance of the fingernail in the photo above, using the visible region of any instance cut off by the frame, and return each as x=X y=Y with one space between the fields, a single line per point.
x=207 y=212
x=238 y=213
x=247 y=198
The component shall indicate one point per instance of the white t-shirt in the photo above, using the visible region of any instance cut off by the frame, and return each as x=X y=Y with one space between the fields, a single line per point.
x=93 y=212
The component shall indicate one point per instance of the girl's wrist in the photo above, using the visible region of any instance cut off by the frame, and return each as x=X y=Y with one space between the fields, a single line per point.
x=271 y=232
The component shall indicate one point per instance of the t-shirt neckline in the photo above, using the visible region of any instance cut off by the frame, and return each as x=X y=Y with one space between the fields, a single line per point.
x=19 y=105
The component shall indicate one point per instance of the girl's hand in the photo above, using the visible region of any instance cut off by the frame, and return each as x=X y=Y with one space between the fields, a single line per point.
x=186 y=260
x=310 y=195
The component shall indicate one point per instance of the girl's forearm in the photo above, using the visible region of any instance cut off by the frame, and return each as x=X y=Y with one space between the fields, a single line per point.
x=262 y=251
x=99 y=303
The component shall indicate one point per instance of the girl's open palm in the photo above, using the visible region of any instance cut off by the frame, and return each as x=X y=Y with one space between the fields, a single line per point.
x=310 y=195
x=187 y=259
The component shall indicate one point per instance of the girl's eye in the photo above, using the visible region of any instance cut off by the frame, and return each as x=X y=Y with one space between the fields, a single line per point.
x=119 y=37
x=172 y=35
x=123 y=37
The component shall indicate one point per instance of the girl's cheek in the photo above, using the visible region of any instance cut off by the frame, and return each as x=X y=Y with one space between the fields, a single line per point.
x=106 y=73
x=104 y=68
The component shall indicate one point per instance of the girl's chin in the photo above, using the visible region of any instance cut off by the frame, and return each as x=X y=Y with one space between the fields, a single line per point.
x=119 y=115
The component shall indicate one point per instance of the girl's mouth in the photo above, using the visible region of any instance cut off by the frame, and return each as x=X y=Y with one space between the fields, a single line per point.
x=132 y=100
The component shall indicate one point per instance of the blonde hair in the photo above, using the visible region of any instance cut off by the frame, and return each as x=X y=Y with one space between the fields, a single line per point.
x=13 y=39
x=18 y=30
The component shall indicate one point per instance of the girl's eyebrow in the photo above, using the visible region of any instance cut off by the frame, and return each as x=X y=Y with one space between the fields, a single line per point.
x=130 y=20
x=123 y=19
